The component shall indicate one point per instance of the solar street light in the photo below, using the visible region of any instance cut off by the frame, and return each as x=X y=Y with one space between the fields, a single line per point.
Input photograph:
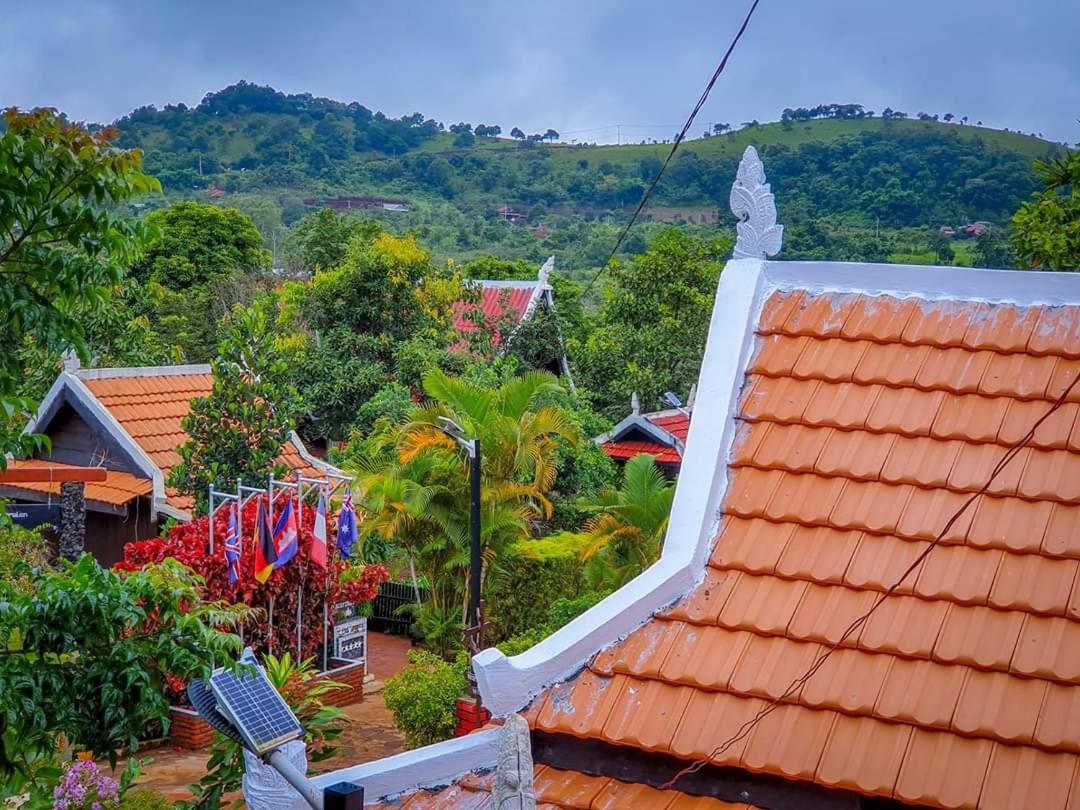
x=245 y=707
x=673 y=399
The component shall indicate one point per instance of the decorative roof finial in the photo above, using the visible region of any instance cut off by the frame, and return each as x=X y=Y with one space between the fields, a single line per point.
x=545 y=272
x=635 y=403
x=752 y=202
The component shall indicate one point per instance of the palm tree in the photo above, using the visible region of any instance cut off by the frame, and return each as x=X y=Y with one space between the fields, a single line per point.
x=627 y=534
x=414 y=484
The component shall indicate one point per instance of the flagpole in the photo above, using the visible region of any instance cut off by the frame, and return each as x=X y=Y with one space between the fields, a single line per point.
x=300 y=587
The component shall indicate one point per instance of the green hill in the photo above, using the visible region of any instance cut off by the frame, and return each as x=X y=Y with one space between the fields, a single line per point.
x=854 y=175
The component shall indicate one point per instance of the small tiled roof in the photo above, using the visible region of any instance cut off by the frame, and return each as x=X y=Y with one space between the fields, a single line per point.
x=864 y=423
x=558 y=790
x=150 y=406
x=674 y=423
x=116 y=490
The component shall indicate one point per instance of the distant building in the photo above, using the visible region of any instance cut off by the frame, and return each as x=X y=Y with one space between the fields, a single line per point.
x=362 y=203
x=510 y=214
x=661 y=434
x=508 y=304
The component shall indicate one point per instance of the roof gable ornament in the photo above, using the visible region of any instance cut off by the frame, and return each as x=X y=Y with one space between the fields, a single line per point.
x=752 y=202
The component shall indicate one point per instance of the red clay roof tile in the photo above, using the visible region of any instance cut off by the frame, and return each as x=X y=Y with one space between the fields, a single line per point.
x=943 y=770
x=1019 y=777
x=1065 y=372
x=870 y=506
x=904 y=625
x=958 y=371
x=997 y=705
x=830 y=360
x=854 y=454
x=1048 y=648
x=761 y=604
x=1001 y=328
x=1051 y=475
x=863 y=755
x=906 y=411
x=1009 y=523
x=880 y=561
x=941 y=324
x=978 y=637
x=959 y=574
x=849 y=681
x=703 y=604
x=776 y=355
x=791 y=447
x=580 y=706
x=820 y=315
x=826 y=613
x=776 y=399
x=642 y=653
x=1059 y=718
x=711 y=719
x=769 y=665
x=1034 y=584
x=804 y=498
x=879 y=318
x=891 y=364
x=817 y=553
x=646 y=713
x=1018 y=375
x=705 y=657
x=843 y=405
x=1053 y=434
x=1062 y=536
x=970 y=416
x=1056 y=332
x=920 y=692
x=753 y=546
x=976 y=462
x=777 y=310
x=788 y=742
x=923 y=461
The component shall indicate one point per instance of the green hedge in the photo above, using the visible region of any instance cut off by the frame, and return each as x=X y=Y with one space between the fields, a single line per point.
x=531 y=575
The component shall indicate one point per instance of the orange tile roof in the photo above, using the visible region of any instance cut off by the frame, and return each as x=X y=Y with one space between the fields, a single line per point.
x=676 y=425
x=116 y=490
x=151 y=407
x=865 y=422
x=558 y=790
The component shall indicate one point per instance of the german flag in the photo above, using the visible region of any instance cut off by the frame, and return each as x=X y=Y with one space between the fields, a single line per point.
x=265 y=553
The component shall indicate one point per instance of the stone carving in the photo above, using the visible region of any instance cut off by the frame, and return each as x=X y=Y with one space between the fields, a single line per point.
x=513 y=788
x=72 y=519
x=752 y=202
x=266 y=789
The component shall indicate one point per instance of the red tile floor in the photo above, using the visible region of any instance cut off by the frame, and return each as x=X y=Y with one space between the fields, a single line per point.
x=369 y=735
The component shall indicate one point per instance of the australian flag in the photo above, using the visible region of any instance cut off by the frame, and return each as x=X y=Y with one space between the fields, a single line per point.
x=346 y=526
x=232 y=547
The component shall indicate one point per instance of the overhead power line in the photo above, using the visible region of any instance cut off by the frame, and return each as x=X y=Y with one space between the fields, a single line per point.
x=675 y=146
x=797 y=684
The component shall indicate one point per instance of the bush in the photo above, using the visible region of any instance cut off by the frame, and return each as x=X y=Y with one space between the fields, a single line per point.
x=533 y=574
x=422 y=698
x=144 y=799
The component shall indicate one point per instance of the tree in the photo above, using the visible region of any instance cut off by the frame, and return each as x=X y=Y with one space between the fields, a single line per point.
x=1046 y=230
x=551 y=135
x=626 y=536
x=517 y=133
x=653 y=323
x=87 y=652
x=413 y=481
x=320 y=239
x=198 y=243
x=238 y=430
x=948 y=117
x=62 y=251
x=993 y=249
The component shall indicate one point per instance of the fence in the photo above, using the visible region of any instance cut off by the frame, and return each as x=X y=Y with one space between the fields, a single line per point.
x=385 y=617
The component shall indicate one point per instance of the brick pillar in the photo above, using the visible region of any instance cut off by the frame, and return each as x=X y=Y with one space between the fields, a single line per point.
x=72 y=519
x=470 y=716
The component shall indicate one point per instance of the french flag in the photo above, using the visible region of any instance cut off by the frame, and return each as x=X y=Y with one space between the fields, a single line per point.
x=318 y=547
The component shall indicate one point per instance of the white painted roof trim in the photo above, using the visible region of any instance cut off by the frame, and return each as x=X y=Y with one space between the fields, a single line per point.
x=141 y=371
x=428 y=767
x=508 y=684
x=72 y=382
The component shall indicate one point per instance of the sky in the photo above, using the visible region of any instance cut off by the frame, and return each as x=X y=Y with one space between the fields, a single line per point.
x=579 y=67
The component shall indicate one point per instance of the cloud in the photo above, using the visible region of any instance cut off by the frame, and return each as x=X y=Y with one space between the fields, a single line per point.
x=571 y=66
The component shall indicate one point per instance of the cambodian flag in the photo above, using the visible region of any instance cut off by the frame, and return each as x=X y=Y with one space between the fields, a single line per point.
x=232 y=547
x=285 y=535
x=318 y=547
x=265 y=555
x=346 y=526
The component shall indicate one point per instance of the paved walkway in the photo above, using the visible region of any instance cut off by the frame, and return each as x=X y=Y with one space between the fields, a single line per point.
x=369 y=735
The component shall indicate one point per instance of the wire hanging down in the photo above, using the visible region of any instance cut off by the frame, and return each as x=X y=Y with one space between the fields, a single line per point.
x=797 y=684
x=675 y=146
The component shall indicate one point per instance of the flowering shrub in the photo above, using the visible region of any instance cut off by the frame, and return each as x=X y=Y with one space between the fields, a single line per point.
x=188 y=543
x=84 y=787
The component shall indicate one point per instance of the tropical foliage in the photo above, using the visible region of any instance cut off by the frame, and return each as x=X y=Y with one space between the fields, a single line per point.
x=1046 y=230
x=413 y=482
x=628 y=532
x=86 y=654
x=62 y=251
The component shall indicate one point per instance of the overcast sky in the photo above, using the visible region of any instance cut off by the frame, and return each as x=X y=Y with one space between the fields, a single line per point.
x=575 y=66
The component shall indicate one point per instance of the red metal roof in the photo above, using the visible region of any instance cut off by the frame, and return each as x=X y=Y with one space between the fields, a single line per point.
x=117 y=489
x=496 y=303
x=676 y=424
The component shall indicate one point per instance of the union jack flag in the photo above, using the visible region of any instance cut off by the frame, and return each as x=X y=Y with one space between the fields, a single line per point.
x=232 y=547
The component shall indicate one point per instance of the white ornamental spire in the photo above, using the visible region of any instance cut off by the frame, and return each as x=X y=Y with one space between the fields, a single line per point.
x=752 y=202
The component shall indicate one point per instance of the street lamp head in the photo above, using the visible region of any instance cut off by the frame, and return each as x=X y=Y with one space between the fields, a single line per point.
x=448 y=425
x=672 y=399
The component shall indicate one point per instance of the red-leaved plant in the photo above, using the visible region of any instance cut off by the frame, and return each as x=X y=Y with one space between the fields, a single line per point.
x=188 y=543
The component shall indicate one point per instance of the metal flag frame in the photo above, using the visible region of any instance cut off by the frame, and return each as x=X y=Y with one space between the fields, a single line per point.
x=302 y=487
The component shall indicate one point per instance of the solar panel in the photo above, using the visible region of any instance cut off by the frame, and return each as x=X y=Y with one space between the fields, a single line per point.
x=252 y=704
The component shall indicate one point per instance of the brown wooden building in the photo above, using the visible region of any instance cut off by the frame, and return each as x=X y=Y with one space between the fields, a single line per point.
x=129 y=421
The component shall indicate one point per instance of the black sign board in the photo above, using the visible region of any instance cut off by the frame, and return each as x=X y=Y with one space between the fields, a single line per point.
x=30 y=515
x=350 y=639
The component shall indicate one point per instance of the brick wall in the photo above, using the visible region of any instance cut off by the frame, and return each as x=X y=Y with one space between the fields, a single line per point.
x=188 y=730
x=469 y=716
x=350 y=673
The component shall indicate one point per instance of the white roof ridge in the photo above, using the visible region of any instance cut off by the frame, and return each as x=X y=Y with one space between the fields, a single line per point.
x=141 y=371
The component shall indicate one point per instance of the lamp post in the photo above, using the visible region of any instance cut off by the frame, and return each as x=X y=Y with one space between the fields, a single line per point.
x=472 y=447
